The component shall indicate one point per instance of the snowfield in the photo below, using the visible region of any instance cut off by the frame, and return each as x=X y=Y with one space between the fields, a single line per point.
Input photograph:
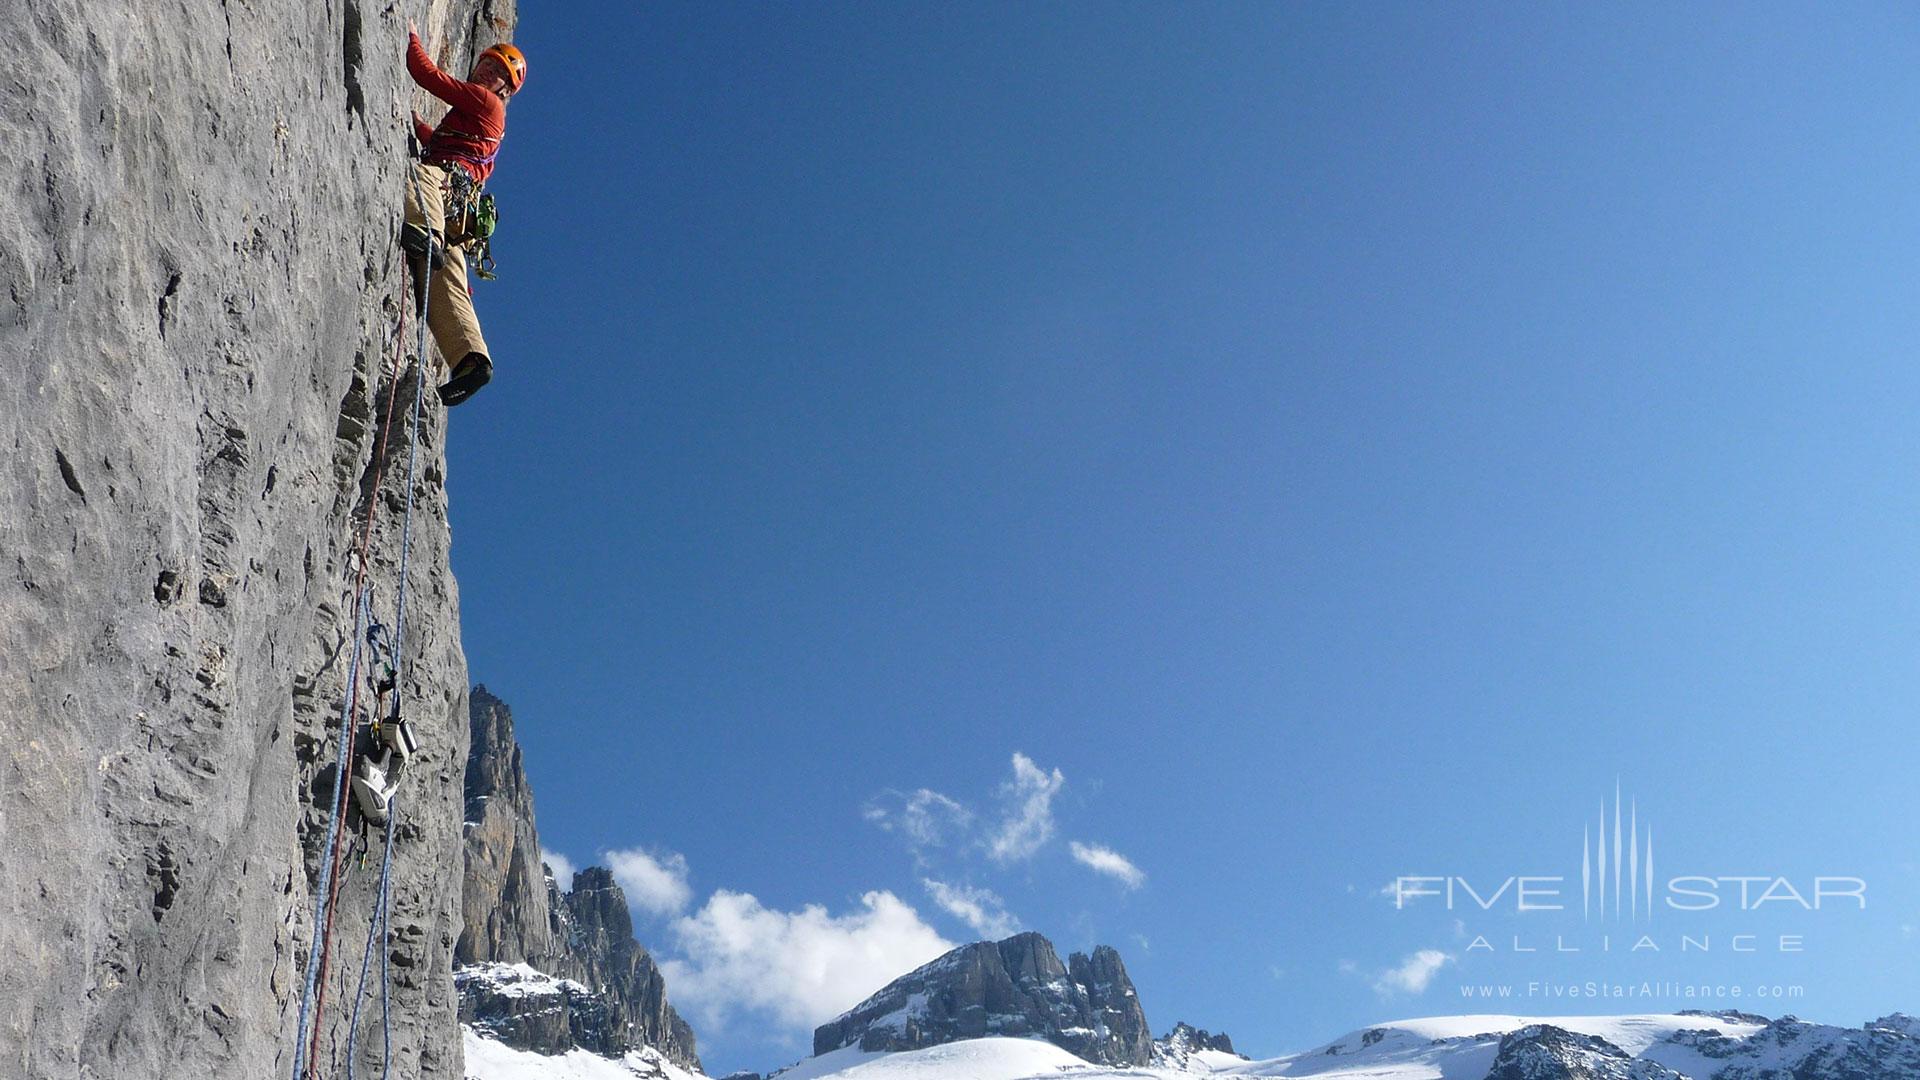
x=1463 y=1047
x=1430 y=1048
x=491 y=1060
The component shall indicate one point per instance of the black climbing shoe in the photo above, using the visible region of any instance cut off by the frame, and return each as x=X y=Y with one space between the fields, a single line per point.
x=422 y=244
x=469 y=375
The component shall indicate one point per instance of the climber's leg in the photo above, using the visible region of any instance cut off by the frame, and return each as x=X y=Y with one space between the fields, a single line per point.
x=426 y=202
x=456 y=329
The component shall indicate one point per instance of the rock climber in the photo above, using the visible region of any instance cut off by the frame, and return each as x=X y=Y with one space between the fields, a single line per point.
x=457 y=159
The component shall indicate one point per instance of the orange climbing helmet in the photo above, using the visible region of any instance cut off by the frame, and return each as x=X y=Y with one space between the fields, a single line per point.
x=513 y=60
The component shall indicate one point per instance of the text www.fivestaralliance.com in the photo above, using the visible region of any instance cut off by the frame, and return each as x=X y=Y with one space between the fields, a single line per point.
x=1648 y=990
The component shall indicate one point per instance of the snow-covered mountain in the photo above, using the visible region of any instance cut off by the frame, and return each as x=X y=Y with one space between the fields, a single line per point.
x=1017 y=987
x=1666 y=1046
x=1672 y=1046
x=1186 y=1047
x=554 y=987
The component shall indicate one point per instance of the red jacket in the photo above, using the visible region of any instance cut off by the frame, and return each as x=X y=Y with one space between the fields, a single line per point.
x=471 y=131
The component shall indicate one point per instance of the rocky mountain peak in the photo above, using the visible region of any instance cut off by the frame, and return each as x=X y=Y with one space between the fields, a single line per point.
x=1897 y=1022
x=1015 y=987
x=1545 y=1052
x=543 y=967
x=1176 y=1048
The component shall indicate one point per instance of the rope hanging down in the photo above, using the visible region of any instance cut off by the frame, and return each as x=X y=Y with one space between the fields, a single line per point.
x=313 y=996
x=377 y=929
x=381 y=923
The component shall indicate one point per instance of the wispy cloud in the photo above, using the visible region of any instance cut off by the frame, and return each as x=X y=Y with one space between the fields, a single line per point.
x=561 y=866
x=979 y=908
x=798 y=968
x=1028 y=821
x=924 y=819
x=1105 y=860
x=1413 y=974
x=656 y=885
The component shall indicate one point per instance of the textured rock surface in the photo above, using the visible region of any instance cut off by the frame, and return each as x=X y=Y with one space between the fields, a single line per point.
x=504 y=905
x=197 y=280
x=603 y=954
x=1545 y=1052
x=525 y=1008
x=605 y=992
x=1017 y=987
x=1793 y=1049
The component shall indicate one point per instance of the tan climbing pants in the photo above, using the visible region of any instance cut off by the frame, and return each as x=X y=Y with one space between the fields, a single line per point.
x=456 y=329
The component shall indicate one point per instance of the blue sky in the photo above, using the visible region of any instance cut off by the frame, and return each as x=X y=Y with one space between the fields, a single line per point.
x=1342 y=442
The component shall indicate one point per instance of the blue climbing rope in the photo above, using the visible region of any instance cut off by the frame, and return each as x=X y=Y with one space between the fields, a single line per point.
x=380 y=925
x=386 y=951
x=322 y=902
x=376 y=930
x=406 y=515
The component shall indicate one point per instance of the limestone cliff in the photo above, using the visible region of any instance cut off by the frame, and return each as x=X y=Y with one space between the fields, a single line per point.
x=592 y=985
x=196 y=323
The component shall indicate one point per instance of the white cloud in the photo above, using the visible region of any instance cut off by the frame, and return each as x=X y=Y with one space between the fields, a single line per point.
x=1028 y=823
x=656 y=885
x=979 y=908
x=800 y=968
x=561 y=866
x=1105 y=860
x=925 y=818
x=1413 y=974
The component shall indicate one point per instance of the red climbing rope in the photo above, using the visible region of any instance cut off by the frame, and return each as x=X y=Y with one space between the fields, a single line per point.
x=323 y=942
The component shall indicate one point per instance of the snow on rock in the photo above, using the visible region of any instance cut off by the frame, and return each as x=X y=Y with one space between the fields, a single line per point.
x=1545 y=1052
x=1195 y=1049
x=513 y=981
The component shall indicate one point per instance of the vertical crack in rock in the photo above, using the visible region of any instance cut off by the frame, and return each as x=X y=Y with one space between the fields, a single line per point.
x=350 y=52
x=167 y=302
x=67 y=474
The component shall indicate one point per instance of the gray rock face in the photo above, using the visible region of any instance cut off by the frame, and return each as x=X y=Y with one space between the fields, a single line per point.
x=1545 y=1052
x=1017 y=987
x=504 y=898
x=602 y=952
x=587 y=982
x=526 y=1008
x=198 y=289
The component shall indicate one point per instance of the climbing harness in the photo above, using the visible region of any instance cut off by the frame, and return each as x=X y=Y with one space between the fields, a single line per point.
x=472 y=215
